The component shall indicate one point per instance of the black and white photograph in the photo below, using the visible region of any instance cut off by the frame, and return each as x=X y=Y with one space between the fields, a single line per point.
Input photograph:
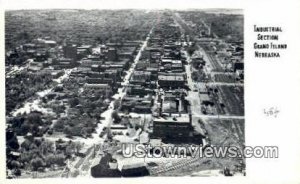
x=124 y=93
x=173 y=91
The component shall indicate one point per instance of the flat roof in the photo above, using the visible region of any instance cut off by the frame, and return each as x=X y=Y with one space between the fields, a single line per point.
x=176 y=62
x=97 y=85
x=141 y=73
x=134 y=166
x=204 y=97
x=184 y=118
x=171 y=78
x=167 y=105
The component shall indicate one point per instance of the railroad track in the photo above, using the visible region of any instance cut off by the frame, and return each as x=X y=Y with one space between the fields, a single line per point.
x=175 y=166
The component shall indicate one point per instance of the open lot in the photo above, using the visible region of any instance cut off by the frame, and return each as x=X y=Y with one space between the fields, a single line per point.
x=226 y=132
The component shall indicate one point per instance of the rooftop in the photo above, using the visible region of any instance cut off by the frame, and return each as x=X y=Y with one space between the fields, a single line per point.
x=184 y=118
x=171 y=78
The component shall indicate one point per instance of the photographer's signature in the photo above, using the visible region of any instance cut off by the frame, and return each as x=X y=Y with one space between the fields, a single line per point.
x=271 y=112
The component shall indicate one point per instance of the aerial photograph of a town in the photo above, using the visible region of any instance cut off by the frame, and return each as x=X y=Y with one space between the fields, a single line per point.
x=123 y=93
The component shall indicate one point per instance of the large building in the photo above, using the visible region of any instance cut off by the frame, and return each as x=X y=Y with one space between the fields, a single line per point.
x=112 y=54
x=140 y=77
x=171 y=81
x=107 y=167
x=172 y=127
x=70 y=51
x=135 y=170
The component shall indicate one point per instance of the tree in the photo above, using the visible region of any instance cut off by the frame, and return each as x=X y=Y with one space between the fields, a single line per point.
x=78 y=146
x=59 y=125
x=17 y=172
x=55 y=159
x=25 y=158
x=116 y=117
x=36 y=163
x=50 y=159
x=13 y=143
x=24 y=129
x=191 y=50
x=73 y=102
x=15 y=164
x=37 y=142
x=34 y=118
x=117 y=103
x=70 y=149
x=137 y=127
x=26 y=144
x=68 y=130
x=196 y=63
x=46 y=147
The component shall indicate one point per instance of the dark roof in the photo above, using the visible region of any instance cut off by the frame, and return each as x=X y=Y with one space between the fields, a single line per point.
x=135 y=170
x=102 y=169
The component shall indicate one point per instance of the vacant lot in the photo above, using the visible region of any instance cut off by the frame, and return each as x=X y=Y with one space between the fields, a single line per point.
x=226 y=132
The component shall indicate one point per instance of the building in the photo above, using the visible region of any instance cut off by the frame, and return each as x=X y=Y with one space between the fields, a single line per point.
x=170 y=106
x=90 y=62
x=112 y=54
x=135 y=170
x=136 y=104
x=70 y=51
x=91 y=80
x=140 y=77
x=139 y=91
x=44 y=42
x=171 y=81
x=172 y=127
x=238 y=66
x=61 y=63
x=102 y=87
x=113 y=74
x=83 y=51
x=35 y=66
x=107 y=167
